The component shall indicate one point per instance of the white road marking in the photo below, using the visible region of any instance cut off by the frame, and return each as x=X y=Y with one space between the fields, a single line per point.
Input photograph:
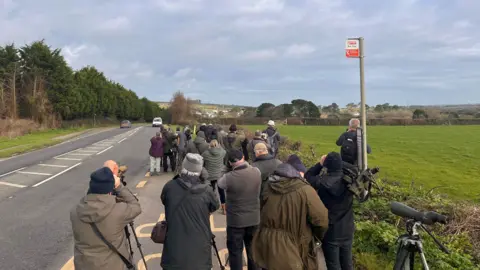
x=34 y=173
x=60 y=158
x=79 y=154
x=12 y=185
x=5 y=174
x=86 y=151
x=64 y=154
x=52 y=165
x=60 y=173
x=101 y=152
x=122 y=140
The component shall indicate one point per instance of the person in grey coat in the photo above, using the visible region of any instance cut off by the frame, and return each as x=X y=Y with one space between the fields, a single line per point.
x=188 y=204
x=201 y=142
x=213 y=162
x=110 y=216
x=265 y=162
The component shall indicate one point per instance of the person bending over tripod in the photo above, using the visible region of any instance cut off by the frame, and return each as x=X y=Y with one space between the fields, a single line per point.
x=99 y=221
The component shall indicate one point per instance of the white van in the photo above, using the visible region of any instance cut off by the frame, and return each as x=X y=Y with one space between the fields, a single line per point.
x=157 y=121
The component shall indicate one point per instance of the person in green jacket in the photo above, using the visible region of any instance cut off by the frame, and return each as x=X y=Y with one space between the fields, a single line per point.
x=213 y=162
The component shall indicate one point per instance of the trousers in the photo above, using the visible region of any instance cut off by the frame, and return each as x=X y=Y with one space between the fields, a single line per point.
x=154 y=164
x=338 y=255
x=168 y=156
x=221 y=192
x=236 y=238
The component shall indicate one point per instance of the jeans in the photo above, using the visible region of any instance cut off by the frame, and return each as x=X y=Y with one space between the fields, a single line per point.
x=168 y=156
x=154 y=164
x=236 y=238
x=221 y=192
x=338 y=255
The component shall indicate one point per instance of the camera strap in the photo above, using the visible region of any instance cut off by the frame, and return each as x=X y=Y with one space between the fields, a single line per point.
x=100 y=235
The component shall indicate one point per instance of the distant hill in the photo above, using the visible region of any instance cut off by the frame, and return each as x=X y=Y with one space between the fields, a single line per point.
x=206 y=106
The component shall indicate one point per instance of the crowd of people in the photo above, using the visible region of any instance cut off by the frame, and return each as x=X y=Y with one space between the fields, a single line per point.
x=278 y=211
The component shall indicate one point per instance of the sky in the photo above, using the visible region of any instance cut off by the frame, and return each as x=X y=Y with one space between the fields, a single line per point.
x=246 y=52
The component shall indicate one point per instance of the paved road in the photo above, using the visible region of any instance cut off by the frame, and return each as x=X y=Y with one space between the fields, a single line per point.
x=35 y=201
x=34 y=157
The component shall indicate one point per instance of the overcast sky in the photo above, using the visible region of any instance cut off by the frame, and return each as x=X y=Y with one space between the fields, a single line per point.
x=253 y=51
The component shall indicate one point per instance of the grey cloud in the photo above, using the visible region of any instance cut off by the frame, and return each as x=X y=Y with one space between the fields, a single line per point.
x=241 y=51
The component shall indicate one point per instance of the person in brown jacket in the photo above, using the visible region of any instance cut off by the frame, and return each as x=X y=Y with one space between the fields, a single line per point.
x=110 y=216
x=291 y=215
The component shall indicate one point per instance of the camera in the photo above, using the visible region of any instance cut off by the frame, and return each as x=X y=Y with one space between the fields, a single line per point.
x=121 y=173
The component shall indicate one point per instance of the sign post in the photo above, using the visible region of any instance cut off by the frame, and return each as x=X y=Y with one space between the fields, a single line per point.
x=354 y=49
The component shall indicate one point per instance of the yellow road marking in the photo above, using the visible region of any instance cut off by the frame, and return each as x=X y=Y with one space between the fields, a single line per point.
x=139 y=229
x=215 y=229
x=141 y=265
x=141 y=184
x=69 y=265
x=147 y=174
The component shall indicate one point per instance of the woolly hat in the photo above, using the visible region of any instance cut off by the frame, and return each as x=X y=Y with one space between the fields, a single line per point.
x=333 y=162
x=295 y=161
x=235 y=155
x=258 y=133
x=192 y=164
x=101 y=181
x=233 y=128
x=271 y=123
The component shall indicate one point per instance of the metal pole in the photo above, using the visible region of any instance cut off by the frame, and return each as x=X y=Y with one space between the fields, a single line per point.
x=362 y=99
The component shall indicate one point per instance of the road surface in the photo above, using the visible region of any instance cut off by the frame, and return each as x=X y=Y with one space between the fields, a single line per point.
x=38 y=190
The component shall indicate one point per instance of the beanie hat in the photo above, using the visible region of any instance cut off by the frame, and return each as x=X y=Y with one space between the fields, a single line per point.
x=258 y=133
x=295 y=161
x=101 y=181
x=333 y=162
x=235 y=155
x=271 y=123
x=233 y=128
x=192 y=164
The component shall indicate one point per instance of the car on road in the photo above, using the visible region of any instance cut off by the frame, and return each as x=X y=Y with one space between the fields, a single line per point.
x=125 y=124
x=157 y=122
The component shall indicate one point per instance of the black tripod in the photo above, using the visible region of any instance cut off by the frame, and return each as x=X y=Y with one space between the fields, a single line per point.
x=132 y=227
x=214 y=244
x=410 y=243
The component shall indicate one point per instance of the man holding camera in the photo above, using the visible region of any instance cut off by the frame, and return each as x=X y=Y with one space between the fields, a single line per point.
x=99 y=220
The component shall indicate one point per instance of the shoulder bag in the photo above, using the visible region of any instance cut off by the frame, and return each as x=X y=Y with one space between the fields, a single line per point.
x=159 y=231
x=100 y=235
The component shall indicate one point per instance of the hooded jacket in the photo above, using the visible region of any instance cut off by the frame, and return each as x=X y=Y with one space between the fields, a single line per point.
x=291 y=215
x=200 y=142
x=111 y=217
x=188 y=240
x=213 y=161
x=156 y=147
x=334 y=193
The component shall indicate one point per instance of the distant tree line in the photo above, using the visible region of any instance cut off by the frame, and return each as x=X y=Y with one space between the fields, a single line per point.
x=37 y=83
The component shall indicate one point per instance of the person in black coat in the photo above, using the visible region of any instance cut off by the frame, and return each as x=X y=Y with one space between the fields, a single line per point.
x=334 y=193
x=188 y=203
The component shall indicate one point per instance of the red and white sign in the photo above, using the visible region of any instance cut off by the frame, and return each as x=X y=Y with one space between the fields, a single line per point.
x=352 y=48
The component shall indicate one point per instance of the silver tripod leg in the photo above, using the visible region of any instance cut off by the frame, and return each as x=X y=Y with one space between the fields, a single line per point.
x=422 y=256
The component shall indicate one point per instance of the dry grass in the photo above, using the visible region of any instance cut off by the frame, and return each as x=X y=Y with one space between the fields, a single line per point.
x=13 y=128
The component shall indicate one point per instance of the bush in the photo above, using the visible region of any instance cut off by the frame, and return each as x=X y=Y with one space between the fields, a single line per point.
x=377 y=229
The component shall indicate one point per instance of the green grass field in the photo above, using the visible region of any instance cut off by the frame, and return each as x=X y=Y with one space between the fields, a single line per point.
x=36 y=140
x=446 y=156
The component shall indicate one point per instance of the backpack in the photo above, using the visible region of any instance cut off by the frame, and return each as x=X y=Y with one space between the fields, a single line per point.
x=230 y=139
x=271 y=140
x=349 y=149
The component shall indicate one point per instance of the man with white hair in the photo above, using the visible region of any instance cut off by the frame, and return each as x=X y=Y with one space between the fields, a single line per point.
x=273 y=137
x=348 y=142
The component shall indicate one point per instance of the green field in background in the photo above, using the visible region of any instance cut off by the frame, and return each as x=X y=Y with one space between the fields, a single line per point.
x=446 y=156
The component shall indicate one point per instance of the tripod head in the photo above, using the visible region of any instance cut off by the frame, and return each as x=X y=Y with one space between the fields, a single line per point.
x=417 y=219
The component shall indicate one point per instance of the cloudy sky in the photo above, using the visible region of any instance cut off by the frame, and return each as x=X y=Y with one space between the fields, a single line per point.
x=252 y=51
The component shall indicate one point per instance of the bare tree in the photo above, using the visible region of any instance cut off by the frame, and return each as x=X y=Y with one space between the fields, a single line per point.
x=180 y=108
